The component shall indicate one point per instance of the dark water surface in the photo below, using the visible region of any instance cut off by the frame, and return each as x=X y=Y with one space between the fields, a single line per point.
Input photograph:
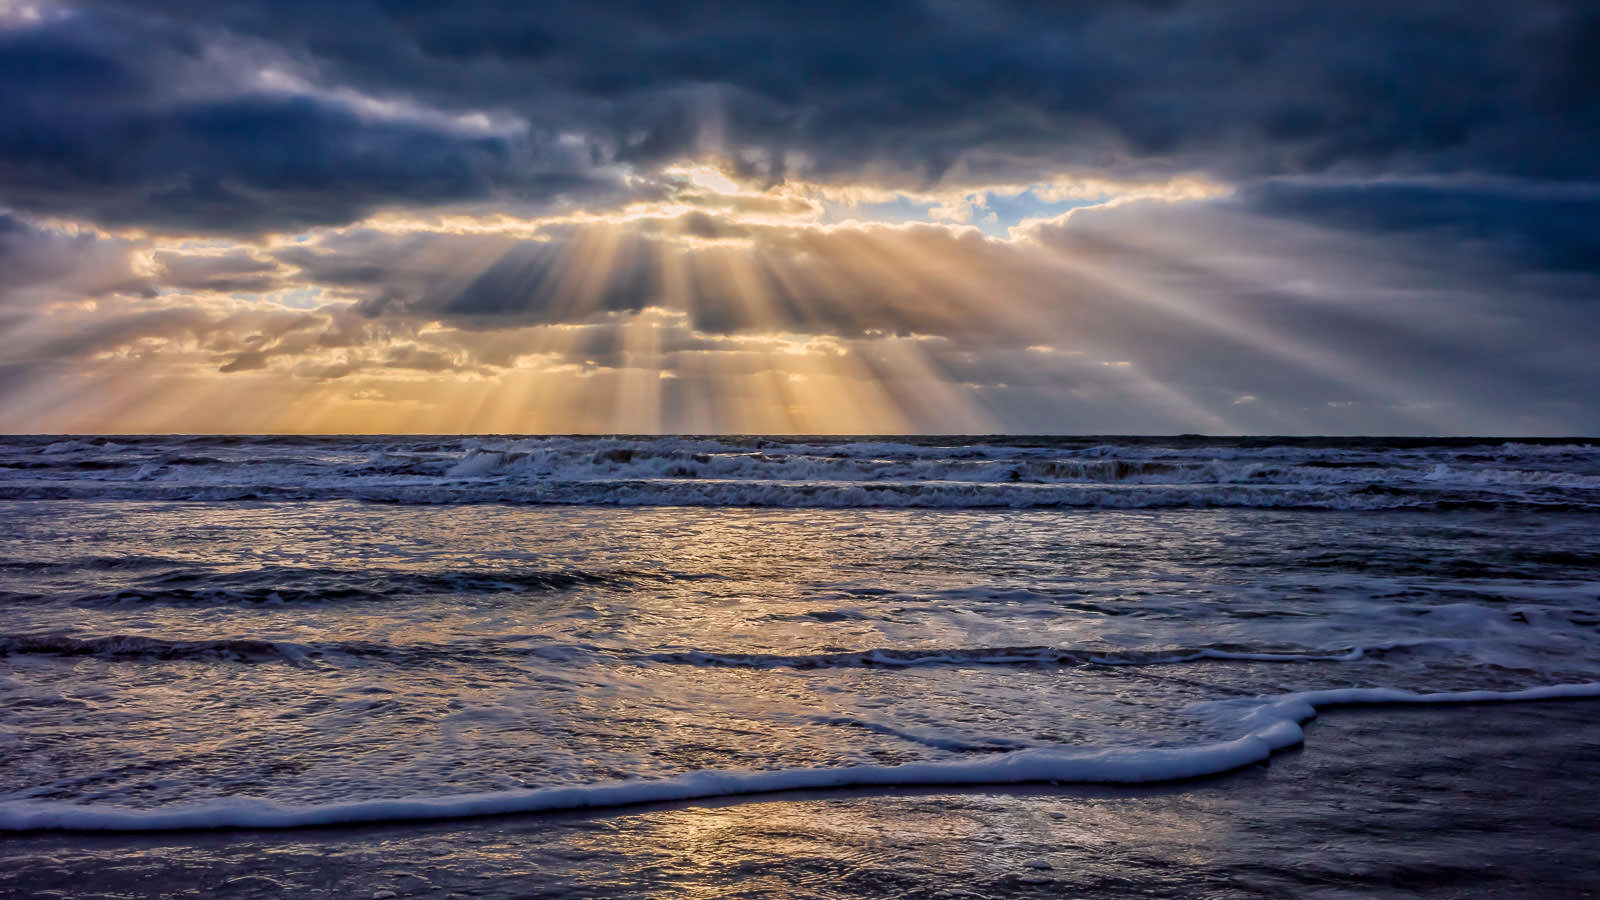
x=289 y=632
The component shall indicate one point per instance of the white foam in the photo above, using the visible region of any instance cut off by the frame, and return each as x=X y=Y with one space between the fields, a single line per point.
x=476 y=464
x=1274 y=724
x=809 y=473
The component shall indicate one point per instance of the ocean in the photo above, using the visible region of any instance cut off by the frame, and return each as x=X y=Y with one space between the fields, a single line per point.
x=764 y=666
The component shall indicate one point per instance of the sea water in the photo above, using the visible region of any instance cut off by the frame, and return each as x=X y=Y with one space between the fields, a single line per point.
x=277 y=632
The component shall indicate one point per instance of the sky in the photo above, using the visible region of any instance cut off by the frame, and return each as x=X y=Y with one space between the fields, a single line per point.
x=950 y=216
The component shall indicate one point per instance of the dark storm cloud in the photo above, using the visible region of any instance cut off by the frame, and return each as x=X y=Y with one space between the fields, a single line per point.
x=130 y=122
x=103 y=113
x=234 y=165
x=1548 y=229
x=920 y=83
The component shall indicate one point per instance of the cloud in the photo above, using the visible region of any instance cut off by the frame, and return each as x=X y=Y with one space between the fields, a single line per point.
x=1147 y=311
x=74 y=261
x=127 y=122
x=1242 y=215
x=1535 y=227
x=229 y=271
x=248 y=116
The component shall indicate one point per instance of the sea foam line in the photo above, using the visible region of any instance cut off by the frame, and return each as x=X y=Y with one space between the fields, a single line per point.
x=1276 y=726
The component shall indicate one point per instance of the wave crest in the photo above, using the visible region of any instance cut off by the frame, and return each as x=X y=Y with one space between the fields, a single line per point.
x=1128 y=473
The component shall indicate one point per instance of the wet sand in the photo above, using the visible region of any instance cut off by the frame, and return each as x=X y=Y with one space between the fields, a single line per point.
x=1466 y=801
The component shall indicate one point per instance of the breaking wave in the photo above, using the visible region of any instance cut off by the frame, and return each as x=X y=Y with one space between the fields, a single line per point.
x=1124 y=473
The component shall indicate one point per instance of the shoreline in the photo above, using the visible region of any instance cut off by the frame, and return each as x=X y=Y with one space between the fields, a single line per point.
x=1480 y=800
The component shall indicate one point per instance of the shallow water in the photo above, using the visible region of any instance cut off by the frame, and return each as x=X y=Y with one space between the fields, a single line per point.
x=221 y=659
x=1423 y=802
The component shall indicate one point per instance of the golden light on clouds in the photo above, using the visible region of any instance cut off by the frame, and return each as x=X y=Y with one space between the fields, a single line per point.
x=700 y=301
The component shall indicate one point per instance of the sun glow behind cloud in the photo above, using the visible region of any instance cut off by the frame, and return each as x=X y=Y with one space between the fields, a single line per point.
x=716 y=306
x=609 y=220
